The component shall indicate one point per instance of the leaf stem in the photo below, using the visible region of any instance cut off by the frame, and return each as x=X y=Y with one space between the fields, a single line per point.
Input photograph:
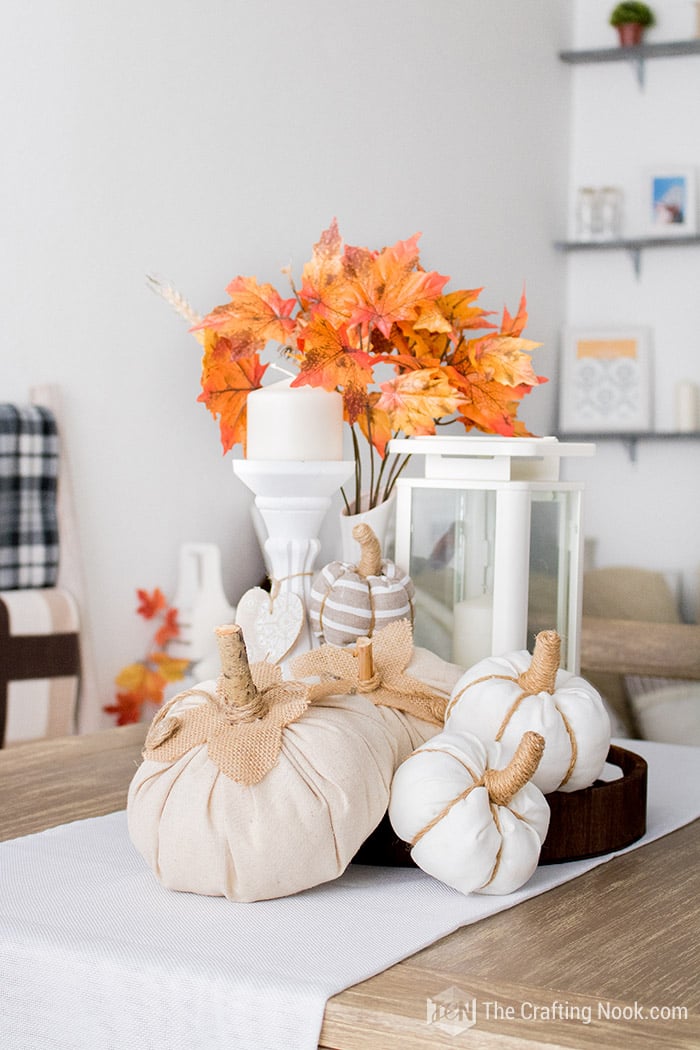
x=401 y=463
x=345 y=500
x=382 y=469
x=371 y=453
x=358 y=470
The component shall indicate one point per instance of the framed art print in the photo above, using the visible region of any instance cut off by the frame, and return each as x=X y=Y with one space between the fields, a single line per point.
x=670 y=201
x=605 y=380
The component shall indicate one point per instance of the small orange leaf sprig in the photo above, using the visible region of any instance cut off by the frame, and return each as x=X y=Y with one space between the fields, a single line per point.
x=144 y=681
x=357 y=315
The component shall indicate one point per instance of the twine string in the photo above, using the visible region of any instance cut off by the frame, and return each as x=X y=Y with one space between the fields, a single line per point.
x=541 y=675
x=276 y=585
x=370 y=562
x=503 y=784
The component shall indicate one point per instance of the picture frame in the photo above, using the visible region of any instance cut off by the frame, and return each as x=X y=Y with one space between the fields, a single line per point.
x=671 y=201
x=605 y=380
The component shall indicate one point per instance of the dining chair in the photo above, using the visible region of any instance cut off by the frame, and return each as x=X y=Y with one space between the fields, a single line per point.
x=45 y=650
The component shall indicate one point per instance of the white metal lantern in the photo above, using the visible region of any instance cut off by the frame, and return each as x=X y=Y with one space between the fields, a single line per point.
x=492 y=540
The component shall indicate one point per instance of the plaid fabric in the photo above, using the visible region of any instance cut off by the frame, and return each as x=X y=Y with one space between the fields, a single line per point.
x=28 y=484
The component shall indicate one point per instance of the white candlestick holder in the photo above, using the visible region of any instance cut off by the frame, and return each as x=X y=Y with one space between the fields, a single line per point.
x=293 y=498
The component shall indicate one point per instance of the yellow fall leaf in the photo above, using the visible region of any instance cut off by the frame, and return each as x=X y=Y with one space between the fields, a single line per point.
x=140 y=680
x=171 y=669
x=414 y=401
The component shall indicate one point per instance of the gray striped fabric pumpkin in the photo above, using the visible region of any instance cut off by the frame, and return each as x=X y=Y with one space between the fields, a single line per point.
x=352 y=601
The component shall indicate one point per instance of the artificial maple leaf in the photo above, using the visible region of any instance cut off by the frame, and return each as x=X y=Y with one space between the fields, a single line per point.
x=329 y=360
x=324 y=288
x=139 y=679
x=500 y=357
x=127 y=708
x=357 y=262
x=492 y=407
x=414 y=401
x=225 y=388
x=229 y=347
x=171 y=669
x=256 y=312
x=375 y=424
x=150 y=603
x=390 y=290
x=168 y=630
x=429 y=317
x=459 y=310
x=515 y=325
x=417 y=349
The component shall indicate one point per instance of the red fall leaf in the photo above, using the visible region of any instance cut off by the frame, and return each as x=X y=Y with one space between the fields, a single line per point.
x=150 y=603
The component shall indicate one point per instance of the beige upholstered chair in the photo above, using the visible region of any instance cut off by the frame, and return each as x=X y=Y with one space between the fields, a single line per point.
x=39 y=664
x=45 y=656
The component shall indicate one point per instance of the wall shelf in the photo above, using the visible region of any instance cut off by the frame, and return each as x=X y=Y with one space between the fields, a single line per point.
x=632 y=245
x=637 y=56
x=631 y=438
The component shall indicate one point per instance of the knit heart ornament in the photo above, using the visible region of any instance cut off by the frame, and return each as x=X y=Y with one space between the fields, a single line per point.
x=271 y=623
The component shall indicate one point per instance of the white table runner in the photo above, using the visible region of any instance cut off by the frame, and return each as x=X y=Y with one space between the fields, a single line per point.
x=95 y=954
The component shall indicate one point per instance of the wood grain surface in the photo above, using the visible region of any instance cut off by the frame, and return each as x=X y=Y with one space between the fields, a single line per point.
x=620 y=941
x=53 y=781
x=670 y=650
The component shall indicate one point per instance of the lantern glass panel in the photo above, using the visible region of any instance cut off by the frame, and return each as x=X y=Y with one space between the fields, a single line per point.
x=451 y=565
x=553 y=532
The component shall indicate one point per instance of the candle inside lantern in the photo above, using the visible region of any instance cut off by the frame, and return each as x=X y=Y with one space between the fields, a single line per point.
x=472 y=630
x=294 y=423
x=686 y=406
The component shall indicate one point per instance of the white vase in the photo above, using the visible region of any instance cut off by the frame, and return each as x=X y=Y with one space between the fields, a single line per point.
x=381 y=520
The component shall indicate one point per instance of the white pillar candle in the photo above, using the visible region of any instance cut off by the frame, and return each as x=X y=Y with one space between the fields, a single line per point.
x=472 y=630
x=294 y=423
x=686 y=406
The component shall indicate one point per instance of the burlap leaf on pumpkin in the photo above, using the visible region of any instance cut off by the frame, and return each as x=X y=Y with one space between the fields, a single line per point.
x=244 y=750
x=390 y=686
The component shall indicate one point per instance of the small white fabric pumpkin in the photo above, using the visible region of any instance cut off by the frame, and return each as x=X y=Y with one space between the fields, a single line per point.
x=253 y=788
x=502 y=697
x=348 y=602
x=470 y=823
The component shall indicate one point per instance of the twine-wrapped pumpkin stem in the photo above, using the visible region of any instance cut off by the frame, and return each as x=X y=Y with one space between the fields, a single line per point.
x=236 y=692
x=370 y=562
x=503 y=784
x=541 y=675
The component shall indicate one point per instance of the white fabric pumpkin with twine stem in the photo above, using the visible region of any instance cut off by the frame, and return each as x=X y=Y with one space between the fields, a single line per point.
x=502 y=697
x=349 y=601
x=472 y=824
x=253 y=788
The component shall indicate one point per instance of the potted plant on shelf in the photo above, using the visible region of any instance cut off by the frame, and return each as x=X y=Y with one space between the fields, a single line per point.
x=631 y=19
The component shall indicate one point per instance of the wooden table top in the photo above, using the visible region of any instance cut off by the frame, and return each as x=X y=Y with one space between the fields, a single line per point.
x=587 y=964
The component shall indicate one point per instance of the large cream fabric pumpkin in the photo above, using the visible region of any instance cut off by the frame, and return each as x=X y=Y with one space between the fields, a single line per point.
x=502 y=697
x=271 y=793
x=301 y=825
x=471 y=823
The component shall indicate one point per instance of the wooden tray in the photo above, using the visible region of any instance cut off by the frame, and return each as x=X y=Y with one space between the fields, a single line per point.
x=599 y=819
